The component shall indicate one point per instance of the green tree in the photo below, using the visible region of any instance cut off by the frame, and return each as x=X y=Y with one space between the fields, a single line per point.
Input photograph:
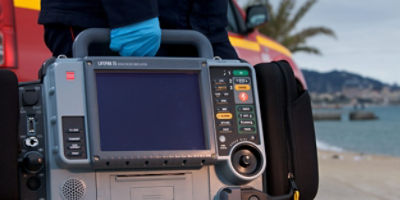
x=282 y=23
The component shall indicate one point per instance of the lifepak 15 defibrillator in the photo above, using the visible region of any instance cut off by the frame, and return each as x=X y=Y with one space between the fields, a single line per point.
x=142 y=128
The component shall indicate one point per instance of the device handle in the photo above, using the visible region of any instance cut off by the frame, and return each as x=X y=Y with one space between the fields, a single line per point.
x=80 y=47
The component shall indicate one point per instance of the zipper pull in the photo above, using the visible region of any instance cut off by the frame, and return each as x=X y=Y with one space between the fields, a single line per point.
x=296 y=195
x=296 y=192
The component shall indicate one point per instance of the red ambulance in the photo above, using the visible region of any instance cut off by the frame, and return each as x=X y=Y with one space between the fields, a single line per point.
x=22 y=48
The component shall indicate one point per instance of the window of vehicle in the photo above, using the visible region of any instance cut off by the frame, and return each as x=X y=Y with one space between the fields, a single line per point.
x=236 y=23
x=232 y=24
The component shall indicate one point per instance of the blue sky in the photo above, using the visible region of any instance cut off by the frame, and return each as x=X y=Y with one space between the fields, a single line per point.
x=368 y=37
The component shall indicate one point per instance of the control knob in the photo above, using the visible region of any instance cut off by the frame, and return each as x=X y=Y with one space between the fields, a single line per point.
x=33 y=161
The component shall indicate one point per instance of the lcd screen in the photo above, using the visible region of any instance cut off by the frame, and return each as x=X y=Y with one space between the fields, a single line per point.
x=145 y=111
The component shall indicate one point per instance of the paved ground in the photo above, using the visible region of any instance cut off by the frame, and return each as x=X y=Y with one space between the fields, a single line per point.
x=351 y=176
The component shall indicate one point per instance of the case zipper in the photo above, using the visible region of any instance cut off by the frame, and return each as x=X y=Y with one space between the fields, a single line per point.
x=296 y=192
x=291 y=176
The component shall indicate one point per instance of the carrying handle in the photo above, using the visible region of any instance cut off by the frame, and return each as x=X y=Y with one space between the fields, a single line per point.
x=80 y=47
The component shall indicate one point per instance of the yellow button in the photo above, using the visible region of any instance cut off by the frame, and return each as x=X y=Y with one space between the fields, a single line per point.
x=224 y=115
x=221 y=88
x=240 y=87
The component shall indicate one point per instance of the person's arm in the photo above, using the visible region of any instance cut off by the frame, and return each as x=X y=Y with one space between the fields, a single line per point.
x=135 y=29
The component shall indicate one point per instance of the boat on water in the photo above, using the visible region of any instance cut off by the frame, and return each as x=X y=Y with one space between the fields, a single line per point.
x=329 y=116
x=362 y=115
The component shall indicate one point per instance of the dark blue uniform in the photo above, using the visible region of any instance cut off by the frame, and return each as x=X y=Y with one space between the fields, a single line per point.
x=64 y=19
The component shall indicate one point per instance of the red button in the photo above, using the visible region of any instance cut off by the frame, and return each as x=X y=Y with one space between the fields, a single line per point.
x=243 y=96
x=70 y=75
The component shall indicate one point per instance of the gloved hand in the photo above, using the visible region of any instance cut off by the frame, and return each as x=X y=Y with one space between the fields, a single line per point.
x=138 y=39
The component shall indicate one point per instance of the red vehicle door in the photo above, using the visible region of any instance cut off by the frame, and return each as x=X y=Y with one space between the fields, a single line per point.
x=252 y=46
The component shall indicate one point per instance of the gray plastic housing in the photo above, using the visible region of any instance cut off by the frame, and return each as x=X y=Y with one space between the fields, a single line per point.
x=204 y=172
x=224 y=166
x=63 y=98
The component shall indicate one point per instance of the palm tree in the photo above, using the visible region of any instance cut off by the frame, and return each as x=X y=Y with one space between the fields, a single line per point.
x=283 y=21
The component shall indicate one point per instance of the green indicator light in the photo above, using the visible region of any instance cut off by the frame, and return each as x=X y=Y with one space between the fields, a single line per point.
x=240 y=72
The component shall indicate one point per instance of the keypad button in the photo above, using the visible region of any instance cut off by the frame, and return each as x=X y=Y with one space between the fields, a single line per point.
x=247 y=129
x=217 y=94
x=74 y=153
x=224 y=123
x=243 y=97
x=221 y=88
x=73 y=130
x=242 y=80
x=222 y=138
x=242 y=87
x=245 y=109
x=225 y=130
x=245 y=115
x=222 y=101
x=223 y=109
x=240 y=72
x=74 y=146
x=246 y=122
x=224 y=115
x=220 y=81
x=74 y=139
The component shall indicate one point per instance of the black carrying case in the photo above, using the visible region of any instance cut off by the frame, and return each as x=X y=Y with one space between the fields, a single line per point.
x=292 y=166
x=9 y=115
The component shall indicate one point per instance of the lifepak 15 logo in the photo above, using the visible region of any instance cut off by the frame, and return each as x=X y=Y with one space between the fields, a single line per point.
x=107 y=63
x=119 y=64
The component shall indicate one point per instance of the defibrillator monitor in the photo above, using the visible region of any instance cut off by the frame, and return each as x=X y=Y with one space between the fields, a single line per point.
x=140 y=113
x=142 y=127
x=192 y=124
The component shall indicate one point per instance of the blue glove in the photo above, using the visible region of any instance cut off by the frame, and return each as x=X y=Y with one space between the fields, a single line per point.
x=138 y=39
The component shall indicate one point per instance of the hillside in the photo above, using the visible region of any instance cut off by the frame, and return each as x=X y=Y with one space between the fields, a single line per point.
x=337 y=81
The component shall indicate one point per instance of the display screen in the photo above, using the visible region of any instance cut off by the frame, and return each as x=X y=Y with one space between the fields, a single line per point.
x=146 y=111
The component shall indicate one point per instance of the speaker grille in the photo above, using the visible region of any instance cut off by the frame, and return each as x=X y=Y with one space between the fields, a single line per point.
x=73 y=189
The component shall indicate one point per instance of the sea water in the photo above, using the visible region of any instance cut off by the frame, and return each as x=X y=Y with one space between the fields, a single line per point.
x=381 y=136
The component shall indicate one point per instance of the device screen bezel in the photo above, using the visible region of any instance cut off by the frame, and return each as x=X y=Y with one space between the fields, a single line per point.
x=111 y=159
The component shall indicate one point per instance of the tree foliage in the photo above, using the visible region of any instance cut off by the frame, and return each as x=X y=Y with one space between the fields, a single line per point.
x=282 y=24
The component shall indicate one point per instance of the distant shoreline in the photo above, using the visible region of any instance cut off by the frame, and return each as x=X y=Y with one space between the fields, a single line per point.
x=347 y=106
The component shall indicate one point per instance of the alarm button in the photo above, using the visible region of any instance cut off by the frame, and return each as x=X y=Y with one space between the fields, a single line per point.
x=224 y=115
